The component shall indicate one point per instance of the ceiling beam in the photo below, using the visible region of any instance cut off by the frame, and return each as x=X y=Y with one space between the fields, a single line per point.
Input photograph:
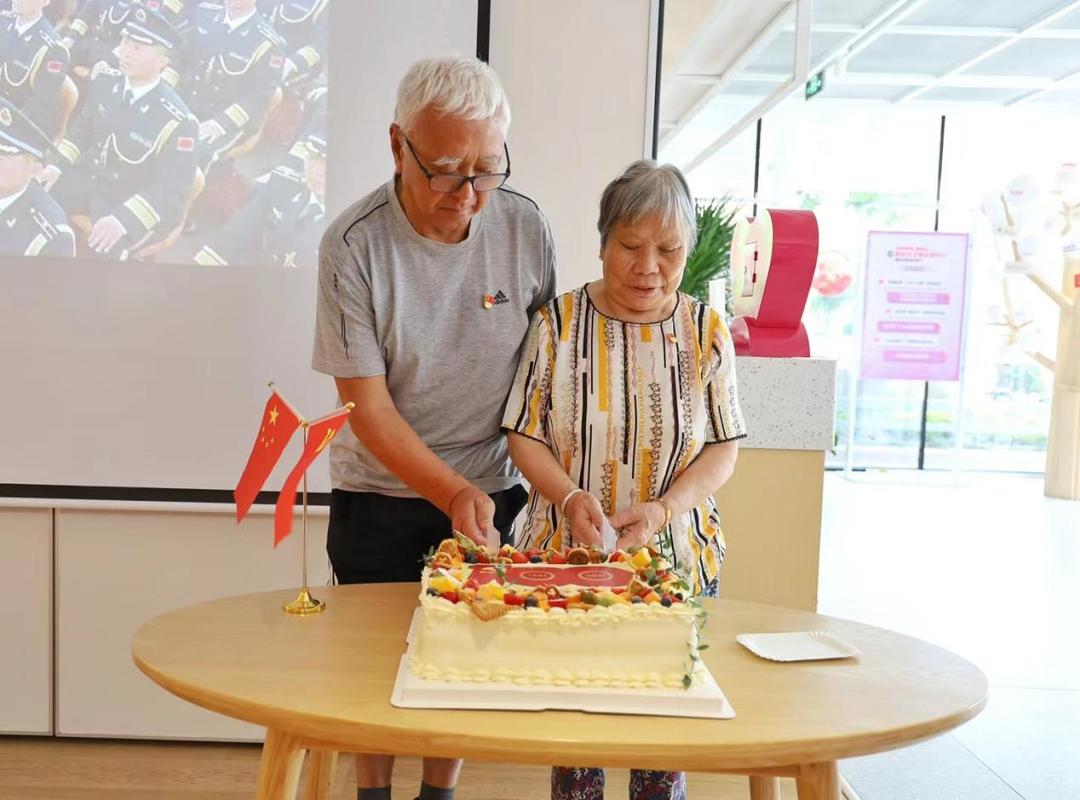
x=803 y=21
x=978 y=31
x=890 y=79
x=997 y=47
x=1065 y=82
x=892 y=14
x=764 y=36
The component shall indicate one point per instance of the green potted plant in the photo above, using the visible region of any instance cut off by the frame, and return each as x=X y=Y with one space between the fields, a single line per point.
x=711 y=257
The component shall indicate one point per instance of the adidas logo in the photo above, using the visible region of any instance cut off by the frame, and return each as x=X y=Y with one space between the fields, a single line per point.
x=497 y=299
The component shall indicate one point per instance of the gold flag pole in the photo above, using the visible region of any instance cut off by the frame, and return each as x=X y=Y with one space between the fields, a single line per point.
x=305 y=605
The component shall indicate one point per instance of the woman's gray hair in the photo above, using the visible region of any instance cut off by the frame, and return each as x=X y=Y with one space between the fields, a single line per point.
x=454 y=86
x=646 y=188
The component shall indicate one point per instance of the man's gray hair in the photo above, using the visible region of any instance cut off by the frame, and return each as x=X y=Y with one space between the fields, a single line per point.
x=455 y=86
x=647 y=188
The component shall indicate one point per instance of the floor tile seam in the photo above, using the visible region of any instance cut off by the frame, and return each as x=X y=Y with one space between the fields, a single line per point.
x=990 y=769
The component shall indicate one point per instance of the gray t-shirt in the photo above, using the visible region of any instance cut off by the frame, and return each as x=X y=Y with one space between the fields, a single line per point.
x=444 y=322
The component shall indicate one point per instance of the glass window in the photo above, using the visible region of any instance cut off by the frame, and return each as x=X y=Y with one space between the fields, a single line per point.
x=1005 y=394
x=859 y=166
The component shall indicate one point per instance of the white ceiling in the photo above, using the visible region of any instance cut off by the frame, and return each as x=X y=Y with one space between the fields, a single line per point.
x=723 y=59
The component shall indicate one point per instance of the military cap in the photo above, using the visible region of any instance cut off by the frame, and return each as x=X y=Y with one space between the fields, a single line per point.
x=148 y=26
x=19 y=135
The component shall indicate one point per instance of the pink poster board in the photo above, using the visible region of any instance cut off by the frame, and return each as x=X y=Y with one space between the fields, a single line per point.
x=913 y=315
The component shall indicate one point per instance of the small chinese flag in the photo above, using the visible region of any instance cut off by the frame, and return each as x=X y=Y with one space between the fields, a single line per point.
x=319 y=435
x=279 y=422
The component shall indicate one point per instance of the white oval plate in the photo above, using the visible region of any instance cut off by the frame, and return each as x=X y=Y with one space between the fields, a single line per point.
x=796 y=646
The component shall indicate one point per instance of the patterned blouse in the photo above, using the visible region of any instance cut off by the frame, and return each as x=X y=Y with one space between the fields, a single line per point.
x=626 y=407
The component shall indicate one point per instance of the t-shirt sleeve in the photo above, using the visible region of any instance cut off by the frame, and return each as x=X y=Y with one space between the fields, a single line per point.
x=726 y=421
x=527 y=406
x=346 y=344
x=547 y=269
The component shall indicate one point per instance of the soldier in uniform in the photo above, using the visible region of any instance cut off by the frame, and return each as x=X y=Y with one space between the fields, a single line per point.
x=33 y=63
x=283 y=221
x=236 y=63
x=95 y=31
x=31 y=222
x=312 y=121
x=131 y=155
x=304 y=25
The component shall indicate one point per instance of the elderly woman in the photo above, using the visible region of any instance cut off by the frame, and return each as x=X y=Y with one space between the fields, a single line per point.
x=625 y=410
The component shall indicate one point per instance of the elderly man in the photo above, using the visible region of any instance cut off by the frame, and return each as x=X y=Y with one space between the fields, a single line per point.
x=426 y=287
x=31 y=222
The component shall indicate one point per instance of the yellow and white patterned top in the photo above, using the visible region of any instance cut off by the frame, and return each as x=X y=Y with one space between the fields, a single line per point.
x=626 y=407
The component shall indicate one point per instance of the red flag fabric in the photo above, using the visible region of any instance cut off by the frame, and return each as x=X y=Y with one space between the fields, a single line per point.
x=319 y=434
x=279 y=422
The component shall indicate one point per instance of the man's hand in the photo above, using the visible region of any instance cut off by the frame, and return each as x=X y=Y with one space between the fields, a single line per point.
x=638 y=523
x=210 y=131
x=473 y=513
x=106 y=232
x=48 y=176
x=585 y=516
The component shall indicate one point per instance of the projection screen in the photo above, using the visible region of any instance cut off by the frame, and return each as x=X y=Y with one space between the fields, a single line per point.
x=159 y=267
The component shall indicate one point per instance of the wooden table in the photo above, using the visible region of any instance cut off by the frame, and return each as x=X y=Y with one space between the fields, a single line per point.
x=322 y=684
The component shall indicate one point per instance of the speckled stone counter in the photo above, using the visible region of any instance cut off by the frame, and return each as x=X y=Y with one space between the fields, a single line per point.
x=789 y=403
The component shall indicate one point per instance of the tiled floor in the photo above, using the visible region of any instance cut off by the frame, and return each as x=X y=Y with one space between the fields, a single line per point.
x=983 y=565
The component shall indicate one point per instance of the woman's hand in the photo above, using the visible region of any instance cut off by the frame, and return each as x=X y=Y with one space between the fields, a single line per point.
x=638 y=523
x=585 y=516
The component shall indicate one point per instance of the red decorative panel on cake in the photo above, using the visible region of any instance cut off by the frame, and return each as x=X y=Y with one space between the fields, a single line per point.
x=594 y=576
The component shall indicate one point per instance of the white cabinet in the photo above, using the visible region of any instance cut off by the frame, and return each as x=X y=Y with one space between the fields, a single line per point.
x=117 y=570
x=26 y=620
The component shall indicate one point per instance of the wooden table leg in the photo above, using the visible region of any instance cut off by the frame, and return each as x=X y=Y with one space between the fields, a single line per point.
x=279 y=769
x=764 y=787
x=322 y=766
x=818 y=781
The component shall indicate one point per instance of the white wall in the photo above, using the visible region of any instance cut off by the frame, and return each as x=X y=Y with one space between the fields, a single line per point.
x=578 y=77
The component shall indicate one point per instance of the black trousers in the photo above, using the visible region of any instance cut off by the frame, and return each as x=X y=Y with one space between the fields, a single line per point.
x=376 y=538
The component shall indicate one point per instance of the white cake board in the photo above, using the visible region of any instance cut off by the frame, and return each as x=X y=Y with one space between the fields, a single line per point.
x=705 y=699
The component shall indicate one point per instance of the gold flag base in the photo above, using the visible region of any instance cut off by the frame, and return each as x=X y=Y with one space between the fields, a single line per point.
x=305 y=605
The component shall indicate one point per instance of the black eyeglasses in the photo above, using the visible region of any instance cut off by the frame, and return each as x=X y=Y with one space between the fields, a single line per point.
x=440 y=182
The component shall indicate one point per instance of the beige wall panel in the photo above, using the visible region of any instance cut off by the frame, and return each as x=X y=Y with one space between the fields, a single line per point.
x=577 y=75
x=26 y=621
x=117 y=570
x=771 y=515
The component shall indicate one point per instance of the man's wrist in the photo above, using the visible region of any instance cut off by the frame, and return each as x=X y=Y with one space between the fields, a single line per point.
x=453 y=493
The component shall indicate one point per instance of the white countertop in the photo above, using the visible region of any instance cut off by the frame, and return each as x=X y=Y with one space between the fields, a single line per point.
x=789 y=403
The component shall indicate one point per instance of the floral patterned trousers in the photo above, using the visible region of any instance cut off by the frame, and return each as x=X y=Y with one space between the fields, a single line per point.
x=587 y=783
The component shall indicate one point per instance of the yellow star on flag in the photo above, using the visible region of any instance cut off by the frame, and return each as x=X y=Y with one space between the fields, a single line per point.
x=273 y=416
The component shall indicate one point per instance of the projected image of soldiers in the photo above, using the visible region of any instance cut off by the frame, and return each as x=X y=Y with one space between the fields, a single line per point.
x=33 y=64
x=129 y=166
x=304 y=25
x=31 y=222
x=282 y=222
x=233 y=79
x=95 y=30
